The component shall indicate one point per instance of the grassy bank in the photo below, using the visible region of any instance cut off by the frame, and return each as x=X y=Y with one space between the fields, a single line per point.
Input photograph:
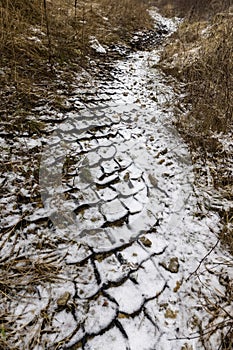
x=41 y=37
x=200 y=55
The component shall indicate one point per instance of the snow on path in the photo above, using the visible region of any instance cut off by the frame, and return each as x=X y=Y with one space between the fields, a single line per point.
x=125 y=228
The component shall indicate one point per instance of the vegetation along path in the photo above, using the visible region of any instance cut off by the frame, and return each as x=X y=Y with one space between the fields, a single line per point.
x=105 y=250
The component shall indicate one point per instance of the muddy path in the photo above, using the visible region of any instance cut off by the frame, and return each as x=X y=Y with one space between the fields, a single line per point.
x=104 y=261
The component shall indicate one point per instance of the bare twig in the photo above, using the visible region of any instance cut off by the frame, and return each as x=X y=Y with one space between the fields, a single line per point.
x=202 y=260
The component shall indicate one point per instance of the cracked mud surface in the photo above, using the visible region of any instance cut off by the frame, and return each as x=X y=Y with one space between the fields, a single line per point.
x=117 y=235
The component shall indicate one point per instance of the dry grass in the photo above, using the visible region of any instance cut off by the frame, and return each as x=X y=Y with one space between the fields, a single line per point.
x=219 y=308
x=204 y=61
x=126 y=15
x=24 y=274
x=19 y=279
x=200 y=55
x=39 y=37
x=193 y=9
x=61 y=28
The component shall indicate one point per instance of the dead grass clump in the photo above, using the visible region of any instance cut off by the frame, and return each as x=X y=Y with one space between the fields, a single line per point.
x=18 y=281
x=24 y=274
x=221 y=320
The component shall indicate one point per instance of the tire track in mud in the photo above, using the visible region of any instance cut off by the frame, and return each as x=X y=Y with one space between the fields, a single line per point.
x=116 y=232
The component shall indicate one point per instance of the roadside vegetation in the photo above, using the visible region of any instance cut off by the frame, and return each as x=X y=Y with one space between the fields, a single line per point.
x=43 y=43
x=40 y=40
x=200 y=55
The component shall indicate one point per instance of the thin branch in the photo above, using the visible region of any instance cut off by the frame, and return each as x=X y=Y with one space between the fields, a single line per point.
x=203 y=259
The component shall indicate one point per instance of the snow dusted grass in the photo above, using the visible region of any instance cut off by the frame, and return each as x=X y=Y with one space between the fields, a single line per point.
x=200 y=55
x=161 y=282
x=168 y=288
x=20 y=276
x=59 y=31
